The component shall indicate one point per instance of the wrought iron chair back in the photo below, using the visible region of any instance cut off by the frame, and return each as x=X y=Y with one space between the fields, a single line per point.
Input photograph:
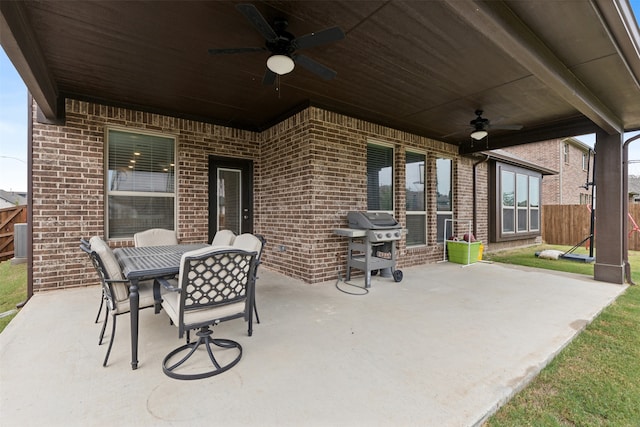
x=252 y=242
x=216 y=285
x=216 y=279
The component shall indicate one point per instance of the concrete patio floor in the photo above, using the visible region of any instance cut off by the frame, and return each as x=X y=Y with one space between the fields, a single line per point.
x=445 y=347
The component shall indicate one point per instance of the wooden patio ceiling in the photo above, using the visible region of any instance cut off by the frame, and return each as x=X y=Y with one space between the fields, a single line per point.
x=557 y=68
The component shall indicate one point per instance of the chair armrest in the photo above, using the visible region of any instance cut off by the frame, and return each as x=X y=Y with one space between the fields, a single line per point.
x=157 y=295
x=166 y=284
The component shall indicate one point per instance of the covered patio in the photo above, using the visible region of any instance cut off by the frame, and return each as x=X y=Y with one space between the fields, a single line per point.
x=410 y=75
x=446 y=346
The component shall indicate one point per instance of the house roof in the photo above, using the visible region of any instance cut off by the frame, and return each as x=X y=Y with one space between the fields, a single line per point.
x=13 y=197
x=579 y=144
x=558 y=69
x=510 y=158
x=634 y=185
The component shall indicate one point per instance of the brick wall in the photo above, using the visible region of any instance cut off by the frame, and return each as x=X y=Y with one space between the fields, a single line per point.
x=573 y=177
x=68 y=183
x=332 y=149
x=309 y=171
x=564 y=188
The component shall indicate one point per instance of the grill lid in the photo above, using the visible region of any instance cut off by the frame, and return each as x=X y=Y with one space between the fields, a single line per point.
x=371 y=220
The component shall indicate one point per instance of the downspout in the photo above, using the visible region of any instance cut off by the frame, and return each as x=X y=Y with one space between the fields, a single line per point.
x=562 y=145
x=625 y=201
x=475 y=196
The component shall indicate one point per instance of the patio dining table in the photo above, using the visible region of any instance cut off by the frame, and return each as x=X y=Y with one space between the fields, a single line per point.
x=143 y=263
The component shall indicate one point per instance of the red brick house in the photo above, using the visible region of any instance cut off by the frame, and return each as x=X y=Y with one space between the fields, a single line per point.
x=308 y=172
x=136 y=126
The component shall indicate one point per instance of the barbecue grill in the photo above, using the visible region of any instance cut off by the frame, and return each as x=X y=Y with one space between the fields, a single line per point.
x=372 y=248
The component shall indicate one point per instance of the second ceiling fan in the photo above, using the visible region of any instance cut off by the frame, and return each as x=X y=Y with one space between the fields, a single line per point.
x=284 y=46
x=480 y=126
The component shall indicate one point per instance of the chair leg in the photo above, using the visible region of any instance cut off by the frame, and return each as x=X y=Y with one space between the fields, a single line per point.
x=204 y=338
x=113 y=334
x=99 y=309
x=255 y=310
x=104 y=325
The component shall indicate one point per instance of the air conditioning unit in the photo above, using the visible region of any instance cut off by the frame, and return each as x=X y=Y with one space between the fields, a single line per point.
x=19 y=243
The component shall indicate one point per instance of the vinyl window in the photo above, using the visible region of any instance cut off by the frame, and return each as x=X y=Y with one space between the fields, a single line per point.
x=444 y=195
x=140 y=181
x=379 y=178
x=519 y=203
x=415 y=199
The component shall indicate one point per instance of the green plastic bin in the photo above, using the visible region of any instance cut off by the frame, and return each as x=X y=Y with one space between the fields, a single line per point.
x=463 y=252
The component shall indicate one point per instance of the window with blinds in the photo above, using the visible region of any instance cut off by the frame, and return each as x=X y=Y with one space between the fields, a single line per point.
x=415 y=199
x=379 y=178
x=140 y=175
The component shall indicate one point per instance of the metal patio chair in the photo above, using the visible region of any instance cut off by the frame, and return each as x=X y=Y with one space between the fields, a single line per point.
x=215 y=285
x=223 y=238
x=86 y=247
x=252 y=243
x=115 y=288
x=155 y=237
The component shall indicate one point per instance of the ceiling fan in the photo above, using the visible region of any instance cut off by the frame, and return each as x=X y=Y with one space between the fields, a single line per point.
x=283 y=46
x=481 y=126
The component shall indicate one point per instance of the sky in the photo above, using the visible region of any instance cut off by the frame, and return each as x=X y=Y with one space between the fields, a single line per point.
x=13 y=127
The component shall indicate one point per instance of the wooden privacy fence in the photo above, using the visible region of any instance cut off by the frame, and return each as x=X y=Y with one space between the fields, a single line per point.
x=569 y=224
x=8 y=218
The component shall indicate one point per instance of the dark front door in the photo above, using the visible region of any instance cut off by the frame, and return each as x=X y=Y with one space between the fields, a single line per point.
x=231 y=195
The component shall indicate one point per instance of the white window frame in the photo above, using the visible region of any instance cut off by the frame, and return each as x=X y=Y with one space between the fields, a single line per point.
x=534 y=208
x=522 y=210
x=503 y=207
x=516 y=210
x=452 y=188
x=424 y=195
x=108 y=192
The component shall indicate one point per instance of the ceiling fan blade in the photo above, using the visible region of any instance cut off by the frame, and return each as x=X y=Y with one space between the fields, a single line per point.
x=235 y=50
x=257 y=20
x=506 y=127
x=269 y=77
x=315 y=67
x=318 y=38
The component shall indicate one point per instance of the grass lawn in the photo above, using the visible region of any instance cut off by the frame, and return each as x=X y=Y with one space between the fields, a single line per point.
x=595 y=380
x=13 y=289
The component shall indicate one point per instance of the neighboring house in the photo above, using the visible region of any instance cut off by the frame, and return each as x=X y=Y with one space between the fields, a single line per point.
x=572 y=159
x=634 y=189
x=10 y=199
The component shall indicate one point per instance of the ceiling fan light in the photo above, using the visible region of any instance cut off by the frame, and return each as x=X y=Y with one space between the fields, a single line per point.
x=280 y=64
x=479 y=134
